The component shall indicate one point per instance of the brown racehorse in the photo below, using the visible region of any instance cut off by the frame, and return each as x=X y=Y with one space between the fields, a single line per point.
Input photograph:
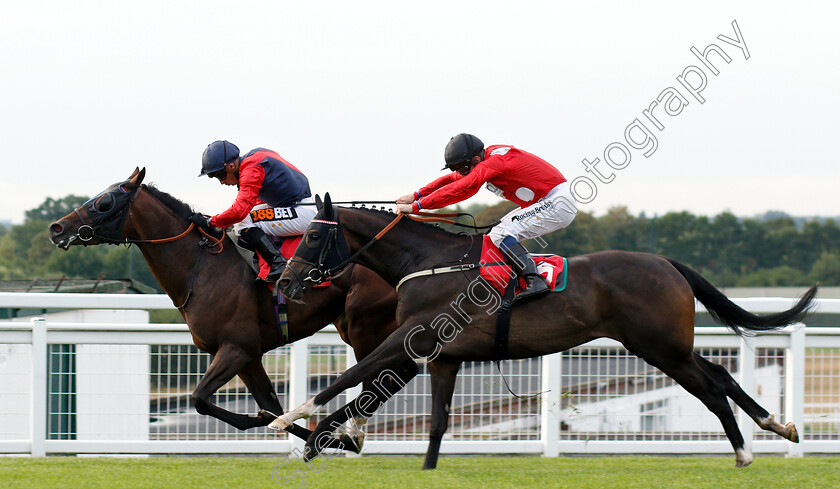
x=644 y=301
x=229 y=314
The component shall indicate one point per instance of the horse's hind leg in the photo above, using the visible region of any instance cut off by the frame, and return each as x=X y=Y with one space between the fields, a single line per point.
x=688 y=373
x=760 y=415
x=227 y=362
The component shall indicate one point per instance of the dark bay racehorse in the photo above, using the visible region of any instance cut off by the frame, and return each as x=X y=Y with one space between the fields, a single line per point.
x=230 y=315
x=644 y=301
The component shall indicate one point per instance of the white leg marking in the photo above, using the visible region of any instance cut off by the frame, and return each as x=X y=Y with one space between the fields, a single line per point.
x=305 y=410
x=355 y=430
x=787 y=431
x=742 y=458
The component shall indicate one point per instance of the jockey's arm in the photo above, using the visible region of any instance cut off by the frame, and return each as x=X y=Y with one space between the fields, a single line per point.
x=428 y=189
x=437 y=184
x=250 y=183
x=458 y=189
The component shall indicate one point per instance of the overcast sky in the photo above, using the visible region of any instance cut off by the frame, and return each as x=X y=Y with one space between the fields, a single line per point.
x=363 y=96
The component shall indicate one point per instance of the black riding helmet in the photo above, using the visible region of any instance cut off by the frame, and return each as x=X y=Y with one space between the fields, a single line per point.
x=461 y=149
x=216 y=156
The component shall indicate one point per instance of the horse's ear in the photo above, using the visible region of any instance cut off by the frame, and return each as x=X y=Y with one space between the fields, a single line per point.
x=137 y=177
x=318 y=204
x=134 y=173
x=328 y=206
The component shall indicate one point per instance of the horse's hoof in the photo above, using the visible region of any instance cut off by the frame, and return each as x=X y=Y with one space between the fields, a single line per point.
x=792 y=434
x=279 y=424
x=743 y=458
x=352 y=443
x=309 y=454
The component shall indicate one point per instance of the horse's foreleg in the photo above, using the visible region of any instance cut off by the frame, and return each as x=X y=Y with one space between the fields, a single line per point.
x=257 y=381
x=443 y=385
x=374 y=395
x=391 y=353
x=227 y=362
x=763 y=419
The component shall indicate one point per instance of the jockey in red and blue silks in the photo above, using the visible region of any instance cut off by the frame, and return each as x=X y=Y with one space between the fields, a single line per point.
x=268 y=202
x=538 y=188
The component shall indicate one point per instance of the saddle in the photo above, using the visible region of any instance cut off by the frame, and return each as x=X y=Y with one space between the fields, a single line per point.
x=498 y=272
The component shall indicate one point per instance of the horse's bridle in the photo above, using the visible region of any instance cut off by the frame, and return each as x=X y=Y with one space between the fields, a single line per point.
x=321 y=271
x=113 y=223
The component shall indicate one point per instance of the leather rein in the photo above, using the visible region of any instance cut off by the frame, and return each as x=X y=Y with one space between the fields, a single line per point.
x=319 y=273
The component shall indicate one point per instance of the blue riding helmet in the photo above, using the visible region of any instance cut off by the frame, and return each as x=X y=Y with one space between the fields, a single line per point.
x=217 y=155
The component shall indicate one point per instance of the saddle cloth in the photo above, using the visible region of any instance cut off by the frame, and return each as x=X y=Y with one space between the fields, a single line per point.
x=496 y=270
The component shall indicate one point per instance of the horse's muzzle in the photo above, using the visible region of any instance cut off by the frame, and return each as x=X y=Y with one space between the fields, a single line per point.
x=291 y=289
x=58 y=238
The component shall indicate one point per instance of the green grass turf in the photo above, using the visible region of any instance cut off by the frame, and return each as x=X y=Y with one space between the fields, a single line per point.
x=607 y=472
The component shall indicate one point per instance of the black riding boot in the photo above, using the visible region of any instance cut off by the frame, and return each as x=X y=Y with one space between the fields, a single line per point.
x=525 y=268
x=264 y=246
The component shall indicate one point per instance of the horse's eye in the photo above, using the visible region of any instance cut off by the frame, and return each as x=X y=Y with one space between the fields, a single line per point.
x=313 y=237
x=104 y=203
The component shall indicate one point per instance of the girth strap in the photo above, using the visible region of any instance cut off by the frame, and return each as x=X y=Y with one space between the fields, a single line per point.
x=436 y=271
x=281 y=314
x=500 y=347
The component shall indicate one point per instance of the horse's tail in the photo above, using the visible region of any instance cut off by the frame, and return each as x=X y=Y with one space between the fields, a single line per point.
x=726 y=312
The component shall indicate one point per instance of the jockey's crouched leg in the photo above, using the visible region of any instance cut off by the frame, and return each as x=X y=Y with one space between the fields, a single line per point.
x=261 y=243
x=525 y=268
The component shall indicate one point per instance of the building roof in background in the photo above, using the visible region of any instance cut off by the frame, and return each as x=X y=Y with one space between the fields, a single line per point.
x=79 y=286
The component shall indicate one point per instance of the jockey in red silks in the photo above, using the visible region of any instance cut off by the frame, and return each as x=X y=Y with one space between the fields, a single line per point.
x=541 y=191
x=268 y=203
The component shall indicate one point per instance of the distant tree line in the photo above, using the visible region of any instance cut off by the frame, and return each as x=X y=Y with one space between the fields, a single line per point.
x=728 y=250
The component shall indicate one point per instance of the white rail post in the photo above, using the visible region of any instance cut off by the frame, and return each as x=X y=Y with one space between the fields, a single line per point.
x=746 y=377
x=298 y=385
x=795 y=386
x=38 y=396
x=353 y=392
x=350 y=360
x=552 y=366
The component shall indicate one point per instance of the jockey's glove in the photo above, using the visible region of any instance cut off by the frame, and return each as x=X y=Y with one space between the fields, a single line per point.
x=201 y=221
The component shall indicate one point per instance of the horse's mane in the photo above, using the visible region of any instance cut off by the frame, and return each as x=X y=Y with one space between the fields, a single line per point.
x=424 y=226
x=178 y=207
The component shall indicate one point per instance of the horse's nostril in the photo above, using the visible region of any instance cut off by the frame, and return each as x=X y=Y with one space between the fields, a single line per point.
x=284 y=283
x=56 y=228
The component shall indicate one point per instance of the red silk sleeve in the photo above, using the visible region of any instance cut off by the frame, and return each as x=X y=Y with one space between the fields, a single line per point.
x=440 y=182
x=250 y=182
x=459 y=189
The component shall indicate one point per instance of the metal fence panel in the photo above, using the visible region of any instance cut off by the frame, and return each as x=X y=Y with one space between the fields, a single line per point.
x=125 y=388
